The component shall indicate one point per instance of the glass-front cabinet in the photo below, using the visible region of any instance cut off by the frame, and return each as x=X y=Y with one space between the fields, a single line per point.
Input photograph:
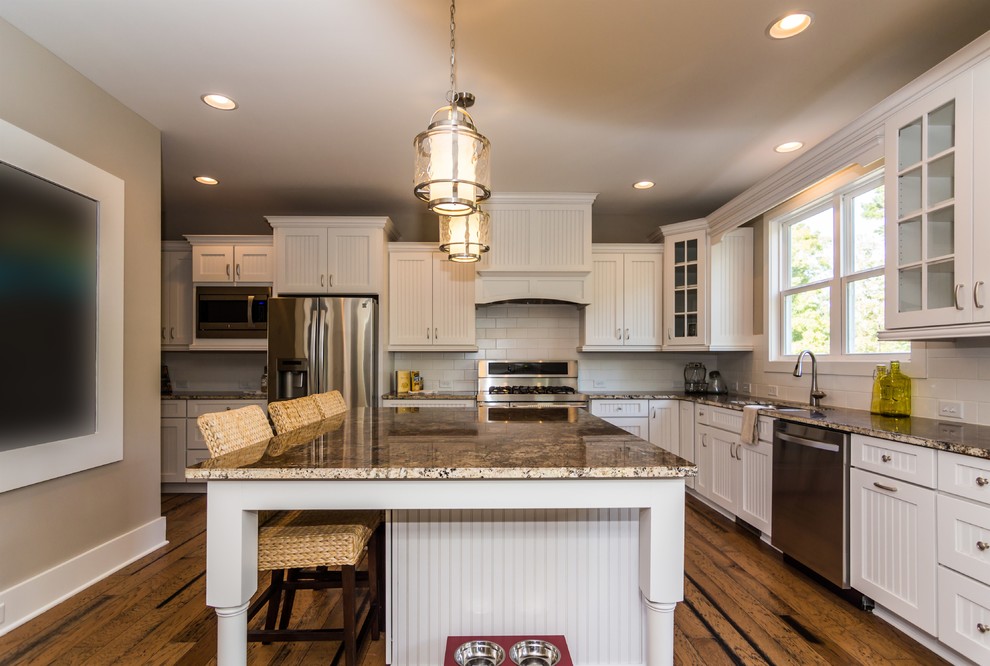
x=685 y=280
x=929 y=183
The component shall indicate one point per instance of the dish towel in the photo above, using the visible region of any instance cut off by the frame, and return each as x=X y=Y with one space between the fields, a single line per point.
x=750 y=424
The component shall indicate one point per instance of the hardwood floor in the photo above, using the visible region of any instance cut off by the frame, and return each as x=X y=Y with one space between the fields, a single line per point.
x=742 y=606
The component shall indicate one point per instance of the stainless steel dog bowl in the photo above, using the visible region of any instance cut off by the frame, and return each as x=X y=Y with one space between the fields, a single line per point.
x=479 y=653
x=534 y=653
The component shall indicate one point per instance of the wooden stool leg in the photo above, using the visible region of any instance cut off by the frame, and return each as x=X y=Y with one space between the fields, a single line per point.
x=290 y=597
x=274 y=600
x=373 y=616
x=349 y=581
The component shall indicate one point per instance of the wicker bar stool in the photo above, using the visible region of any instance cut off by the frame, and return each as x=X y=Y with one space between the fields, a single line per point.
x=300 y=547
x=291 y=414
x=330 y=403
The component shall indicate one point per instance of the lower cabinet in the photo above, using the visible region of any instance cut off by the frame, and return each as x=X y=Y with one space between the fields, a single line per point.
x=416 y=403
x=665 y=425
x=630 y=415
x=964 y=615
x=892 y=545
x=686 y=434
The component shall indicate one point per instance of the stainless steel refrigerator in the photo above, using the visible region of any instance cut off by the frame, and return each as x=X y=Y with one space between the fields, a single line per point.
x=322 y=343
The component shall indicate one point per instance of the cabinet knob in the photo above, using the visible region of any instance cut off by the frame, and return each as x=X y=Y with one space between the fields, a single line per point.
x=981 y=481
x=982 y=545
x=982 y=628
x=885 y=458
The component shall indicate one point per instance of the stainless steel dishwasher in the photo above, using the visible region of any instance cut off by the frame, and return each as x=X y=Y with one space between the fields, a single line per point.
x=810 y=522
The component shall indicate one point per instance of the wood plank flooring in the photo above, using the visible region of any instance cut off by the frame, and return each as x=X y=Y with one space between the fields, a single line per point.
x=742 y=606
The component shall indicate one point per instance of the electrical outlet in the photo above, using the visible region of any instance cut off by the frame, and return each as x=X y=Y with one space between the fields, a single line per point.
x=599 y=383
x=746 y=387
x=446 y=384
x=772 y=391
x=951 y=409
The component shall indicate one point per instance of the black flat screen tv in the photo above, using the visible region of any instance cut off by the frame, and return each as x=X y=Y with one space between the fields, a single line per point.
x=48 y=310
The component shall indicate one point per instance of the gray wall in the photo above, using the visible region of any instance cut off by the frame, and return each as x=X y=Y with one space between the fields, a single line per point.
x=46 y=524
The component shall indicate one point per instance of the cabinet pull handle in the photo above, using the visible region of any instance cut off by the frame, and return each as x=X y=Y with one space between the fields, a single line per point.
x=228 y=270
x=976 y=294
x=982 y=545
x=982 y=628
x=172 y=333
x=885 y=458
x=704 y=439
x=323 y=279
x=331 y=279
x=237 y=270
x=618 y=334
x=883 y=487
x=436 y=336
x=955 y=296
x=163 y=334
x=627 y=334
x=427 y=332
x=981 y=481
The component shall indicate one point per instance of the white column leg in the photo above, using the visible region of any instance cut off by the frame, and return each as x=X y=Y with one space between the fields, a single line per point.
x=659 y=633
x=231 y=635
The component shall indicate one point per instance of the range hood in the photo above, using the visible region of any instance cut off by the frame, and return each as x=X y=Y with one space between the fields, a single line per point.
x=532 y=289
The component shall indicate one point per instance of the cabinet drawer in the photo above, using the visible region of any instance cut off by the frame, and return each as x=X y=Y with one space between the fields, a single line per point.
x=964 y=615
x=623 y=408
x=965 y=476
x=894 y=459
x=195 y=456
x=964 y=536
x=173 y=409
x=765 y=429
x=453 y=404
x=638 y=426
x=702 y=414
x=726 y=419
x=199 y=407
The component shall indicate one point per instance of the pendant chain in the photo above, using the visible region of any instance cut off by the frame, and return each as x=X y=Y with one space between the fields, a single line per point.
x=452 y=94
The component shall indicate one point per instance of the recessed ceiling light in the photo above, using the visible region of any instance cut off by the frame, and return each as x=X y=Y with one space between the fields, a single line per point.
x=792 y=24
x=789 y=147
x=644 y=184
x=218 y=101
x=207 y=180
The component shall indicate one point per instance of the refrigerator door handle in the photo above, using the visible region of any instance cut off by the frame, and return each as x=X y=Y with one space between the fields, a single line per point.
x=312 y=332
x=321 y=359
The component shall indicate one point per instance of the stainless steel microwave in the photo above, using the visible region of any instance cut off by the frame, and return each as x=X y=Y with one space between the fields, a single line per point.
x=232 y=312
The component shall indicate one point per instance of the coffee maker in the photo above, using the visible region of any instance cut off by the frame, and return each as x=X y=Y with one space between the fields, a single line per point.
x=695 y=376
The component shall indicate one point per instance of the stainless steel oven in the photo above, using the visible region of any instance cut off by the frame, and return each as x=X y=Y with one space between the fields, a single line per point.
x=533 y=384
x=232 y=312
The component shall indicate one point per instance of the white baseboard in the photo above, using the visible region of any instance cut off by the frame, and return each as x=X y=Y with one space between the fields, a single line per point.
x=30 y=598
x=922 y=637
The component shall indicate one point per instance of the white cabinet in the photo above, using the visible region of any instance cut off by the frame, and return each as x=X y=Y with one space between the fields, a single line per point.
x=630 y=415
x=755 y=489
x=416 y=404
x=665 y=425
x=625 y=312
x=330 y=255
x=231 y=259
x=707 y=288
x=177 y=294
x=892 y=555
x=431 y=300
x=685 y=427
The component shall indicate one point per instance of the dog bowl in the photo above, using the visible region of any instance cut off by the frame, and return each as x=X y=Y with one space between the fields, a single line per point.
x=479 y=653
x=534 y=653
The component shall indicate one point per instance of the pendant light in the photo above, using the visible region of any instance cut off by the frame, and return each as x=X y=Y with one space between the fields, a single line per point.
x=452 y=172
x=464 y=237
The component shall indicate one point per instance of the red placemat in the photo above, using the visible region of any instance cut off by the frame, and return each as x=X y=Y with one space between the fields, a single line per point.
x=506 y=642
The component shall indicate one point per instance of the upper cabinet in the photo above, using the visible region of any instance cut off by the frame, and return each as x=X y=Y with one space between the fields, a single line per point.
x=707 y=289
x=624 y=313
x=431 y=300
x=177 y=294
x=330 y=255
x=231 y=259
x=540 y=248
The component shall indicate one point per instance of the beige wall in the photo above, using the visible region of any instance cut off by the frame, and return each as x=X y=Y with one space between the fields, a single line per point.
x=45 y=524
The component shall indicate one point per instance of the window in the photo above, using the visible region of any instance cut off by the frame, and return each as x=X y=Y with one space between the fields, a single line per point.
x=831 y=280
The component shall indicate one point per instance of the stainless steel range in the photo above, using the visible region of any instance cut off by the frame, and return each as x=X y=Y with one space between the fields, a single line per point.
x=529 y=384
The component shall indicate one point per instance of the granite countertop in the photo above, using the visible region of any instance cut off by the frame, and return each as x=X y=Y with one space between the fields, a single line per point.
x=215 y=395
x=432 y=395
x=476 y=443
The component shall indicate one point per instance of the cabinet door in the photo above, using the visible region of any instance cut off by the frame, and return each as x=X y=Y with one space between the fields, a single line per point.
x=892 y=553
x=301 y=263
x=753 y=498
x=603 y=318
x=253 y=263
x=929 y=216
x=641 y=277
x=981 y=195
x=354 y=261
x=453 y=302
x=686 y=429
x=664 y=420
x=724 y=469
x=685 y=297
x=177 y=297
x=410 y=298
x=213 y=263
x=173 y=450
x=640 y=427
x=703 y=459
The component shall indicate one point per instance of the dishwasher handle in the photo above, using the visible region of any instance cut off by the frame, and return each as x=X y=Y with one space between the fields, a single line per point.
x=793 y=439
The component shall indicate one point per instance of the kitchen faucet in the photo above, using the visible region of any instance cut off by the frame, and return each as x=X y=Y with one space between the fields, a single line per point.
x=816 y=393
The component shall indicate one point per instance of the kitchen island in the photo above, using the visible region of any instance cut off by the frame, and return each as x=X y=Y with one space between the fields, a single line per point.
x=405 y=458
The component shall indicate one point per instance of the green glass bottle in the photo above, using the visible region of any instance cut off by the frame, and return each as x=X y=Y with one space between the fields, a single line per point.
x=899 y=402
x=878 y=374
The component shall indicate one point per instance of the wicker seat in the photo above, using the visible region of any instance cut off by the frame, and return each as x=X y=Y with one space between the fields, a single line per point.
x=291 y=414
x=330 y=403
x=300 y=548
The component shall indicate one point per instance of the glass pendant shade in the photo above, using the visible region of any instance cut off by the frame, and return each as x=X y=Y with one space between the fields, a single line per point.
x=464 y=237
x=452 y=171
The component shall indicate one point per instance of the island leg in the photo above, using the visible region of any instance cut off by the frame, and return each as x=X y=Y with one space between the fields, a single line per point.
x=661 y=567
x=231 y=567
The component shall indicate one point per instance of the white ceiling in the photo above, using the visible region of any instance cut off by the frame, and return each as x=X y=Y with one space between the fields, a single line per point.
x=575 y=95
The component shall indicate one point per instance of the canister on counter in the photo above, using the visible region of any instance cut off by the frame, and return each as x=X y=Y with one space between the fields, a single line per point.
x=415 y=381
x=402 y=381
